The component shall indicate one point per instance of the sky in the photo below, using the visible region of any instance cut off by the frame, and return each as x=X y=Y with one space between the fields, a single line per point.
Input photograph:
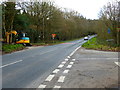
x=88 y=8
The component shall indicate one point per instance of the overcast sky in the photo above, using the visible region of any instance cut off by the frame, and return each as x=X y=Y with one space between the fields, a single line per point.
x=88 y=8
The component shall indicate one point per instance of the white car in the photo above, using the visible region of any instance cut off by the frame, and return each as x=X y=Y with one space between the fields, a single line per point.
x=86 y=38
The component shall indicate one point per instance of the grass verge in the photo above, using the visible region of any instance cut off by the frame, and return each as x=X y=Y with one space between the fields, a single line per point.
x=8 y=48
x=97 y=44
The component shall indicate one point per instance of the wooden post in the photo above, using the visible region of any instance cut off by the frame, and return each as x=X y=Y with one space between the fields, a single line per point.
x=11 y=38
x=118 y=40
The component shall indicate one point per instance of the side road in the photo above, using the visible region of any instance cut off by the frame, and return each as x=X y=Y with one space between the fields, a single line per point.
x=86 y=69
x=93 y=69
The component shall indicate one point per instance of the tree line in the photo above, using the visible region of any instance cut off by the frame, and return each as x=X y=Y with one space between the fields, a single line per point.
x=41 y=19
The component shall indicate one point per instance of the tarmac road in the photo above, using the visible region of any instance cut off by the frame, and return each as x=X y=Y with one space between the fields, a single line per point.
x=28 y=68
x=86 y=69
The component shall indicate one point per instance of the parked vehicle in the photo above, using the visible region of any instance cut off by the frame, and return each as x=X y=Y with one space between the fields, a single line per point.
x=20 y=39
x=24 y=40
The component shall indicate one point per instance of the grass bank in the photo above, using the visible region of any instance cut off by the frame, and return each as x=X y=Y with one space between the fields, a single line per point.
x=98 y=44
x=8 y=48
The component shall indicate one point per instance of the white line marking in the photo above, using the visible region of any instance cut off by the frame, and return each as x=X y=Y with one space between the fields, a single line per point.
x=71 y=62
x=66 y=59
x=117 y=63
x=99 y=58
x=60 y=66
x=73 y=59
x=42 y=86
x=71 y=54
x=75 y=50
x=56 y=71
x=69 y=66
x=11 y=63
x=57 y=86
x=61 y=79
x=50 y=77
x=66 y=71
x=64 y=62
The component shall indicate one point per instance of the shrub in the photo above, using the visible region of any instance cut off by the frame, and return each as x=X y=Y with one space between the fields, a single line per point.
x=11 y=47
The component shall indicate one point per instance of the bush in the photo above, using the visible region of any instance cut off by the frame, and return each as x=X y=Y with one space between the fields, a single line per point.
x=98 y=44
x=12 y=47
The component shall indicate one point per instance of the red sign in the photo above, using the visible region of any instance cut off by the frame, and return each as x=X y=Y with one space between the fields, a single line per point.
x=53 y=35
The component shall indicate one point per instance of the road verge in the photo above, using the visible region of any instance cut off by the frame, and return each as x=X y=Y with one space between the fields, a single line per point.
x=96 y=44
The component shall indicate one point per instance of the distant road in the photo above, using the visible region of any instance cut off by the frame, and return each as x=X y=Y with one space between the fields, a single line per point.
x=28 y=68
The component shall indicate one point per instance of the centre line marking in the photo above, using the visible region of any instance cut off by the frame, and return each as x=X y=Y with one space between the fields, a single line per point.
x=11 y=63
x=61 y=79
x=69 y=66
x=56 y=71
x=66 y=71
x=71 y=62
x=42 y=86
x=50 y=77
x=60 y=66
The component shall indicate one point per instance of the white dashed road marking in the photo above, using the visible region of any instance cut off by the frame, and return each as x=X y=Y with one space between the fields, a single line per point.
x=56 y=71
x=66 y=71
x=60 y=66
x=50 y=77
x=11 y=63
x=61 y=79
x=42 y=86
x=69 y=66
x=71 y=53
x=71 y=62
x=75 y=50
x=73 y=59
x=63 y=62
x=57 y=86
x=117 y=63
x=66 y=59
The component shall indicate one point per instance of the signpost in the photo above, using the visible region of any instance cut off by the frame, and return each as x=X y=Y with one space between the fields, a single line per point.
x=53 y=37
x=109 y=30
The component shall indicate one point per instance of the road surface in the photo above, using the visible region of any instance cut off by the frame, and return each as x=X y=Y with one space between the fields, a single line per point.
x=28 y=68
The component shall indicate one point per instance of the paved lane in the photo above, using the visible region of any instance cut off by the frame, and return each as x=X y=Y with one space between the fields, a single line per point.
x=28 y=68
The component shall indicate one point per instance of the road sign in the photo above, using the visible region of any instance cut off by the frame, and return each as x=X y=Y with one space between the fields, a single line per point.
x=53 y=36
x=109 y=30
